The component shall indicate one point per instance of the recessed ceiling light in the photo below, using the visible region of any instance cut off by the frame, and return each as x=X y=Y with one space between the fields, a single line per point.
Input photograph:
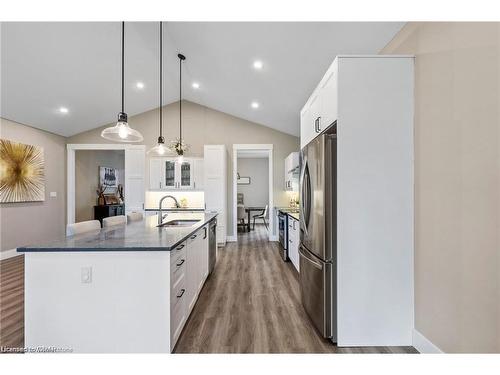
x=139 y=85
x=257 y=64
x=255 y=105
x=63 y=110
x=195 y=85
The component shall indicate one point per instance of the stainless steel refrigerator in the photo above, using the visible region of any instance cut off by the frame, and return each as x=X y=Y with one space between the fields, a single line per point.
x=318 y=165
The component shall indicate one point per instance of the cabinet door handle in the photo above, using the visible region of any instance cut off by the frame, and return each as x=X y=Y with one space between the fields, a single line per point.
x=180 y=263
x=193 y=236
x=180 y=247
x=205 y=236
x=182 y=293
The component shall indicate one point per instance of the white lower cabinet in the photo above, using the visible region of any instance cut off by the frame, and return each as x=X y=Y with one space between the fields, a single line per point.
x=293 y=241
x=188 y=270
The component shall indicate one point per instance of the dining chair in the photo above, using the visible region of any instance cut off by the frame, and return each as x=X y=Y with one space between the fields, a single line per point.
x=241 y=215
x=262 y=216
x=134 y=216
x=114 y=220
x=240 y=198
x=82 y=227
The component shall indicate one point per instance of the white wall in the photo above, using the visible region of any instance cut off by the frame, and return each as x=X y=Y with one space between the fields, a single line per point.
x=257 y=193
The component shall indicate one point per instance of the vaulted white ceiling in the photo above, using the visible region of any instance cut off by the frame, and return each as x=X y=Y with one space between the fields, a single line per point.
x=45 y=66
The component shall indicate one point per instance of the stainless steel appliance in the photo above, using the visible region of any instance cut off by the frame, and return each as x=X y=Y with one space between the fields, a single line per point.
x=318 y=232
x=283 y=234
x=212 y=245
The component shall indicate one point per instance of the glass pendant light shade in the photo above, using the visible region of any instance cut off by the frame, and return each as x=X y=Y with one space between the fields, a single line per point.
x=160 y=149
x=121 y=132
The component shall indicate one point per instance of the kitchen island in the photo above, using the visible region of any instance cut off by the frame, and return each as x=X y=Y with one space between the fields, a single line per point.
x=121 y=289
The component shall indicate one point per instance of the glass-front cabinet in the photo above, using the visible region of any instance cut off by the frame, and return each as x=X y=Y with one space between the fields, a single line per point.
x=185 y=175
x=169 y=174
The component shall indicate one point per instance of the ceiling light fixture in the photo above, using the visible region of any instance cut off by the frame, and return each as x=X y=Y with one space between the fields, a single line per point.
x=255 y=105
x=139 y=85
x=178 y=146
x=63 y=110
x=195 y=85
x=258 y=64
x=121 y=132
x=160 y=149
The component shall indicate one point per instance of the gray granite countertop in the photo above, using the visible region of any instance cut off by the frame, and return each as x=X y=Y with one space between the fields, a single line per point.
x=136 y=236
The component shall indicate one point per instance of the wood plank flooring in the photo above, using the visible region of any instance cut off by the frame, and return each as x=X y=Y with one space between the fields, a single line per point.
x=12 y=302
x=251 y=304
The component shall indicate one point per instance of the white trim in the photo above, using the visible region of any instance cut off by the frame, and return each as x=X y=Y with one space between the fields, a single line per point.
x=424 y=345
x=231 y=239
x=270 y=209
x=273 y=238
x=71 y=148
x=11 y=253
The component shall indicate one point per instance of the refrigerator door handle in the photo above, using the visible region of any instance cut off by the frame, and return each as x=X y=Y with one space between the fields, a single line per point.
x=307 y=257
x=305 y=195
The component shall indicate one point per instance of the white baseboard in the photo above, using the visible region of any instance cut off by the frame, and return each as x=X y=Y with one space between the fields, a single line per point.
x=424 y=345
x=231 y=238
x=273 y=238
x=9 y=254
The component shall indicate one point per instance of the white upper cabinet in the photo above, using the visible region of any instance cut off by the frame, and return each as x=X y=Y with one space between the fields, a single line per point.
x=292 y=172
x=168 y=174
x=320 y=111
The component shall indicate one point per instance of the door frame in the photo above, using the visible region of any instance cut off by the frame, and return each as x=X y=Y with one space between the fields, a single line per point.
x=258 y=147
x=71 y=149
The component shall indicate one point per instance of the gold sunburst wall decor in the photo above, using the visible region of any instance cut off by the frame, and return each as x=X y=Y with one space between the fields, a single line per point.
x=22 y=174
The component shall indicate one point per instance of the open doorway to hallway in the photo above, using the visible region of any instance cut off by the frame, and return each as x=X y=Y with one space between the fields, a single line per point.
x=252 y=190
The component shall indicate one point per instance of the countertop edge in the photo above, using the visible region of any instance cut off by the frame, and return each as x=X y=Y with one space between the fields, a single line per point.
x=28 y=249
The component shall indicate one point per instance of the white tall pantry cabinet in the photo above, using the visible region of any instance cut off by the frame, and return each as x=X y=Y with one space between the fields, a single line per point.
x=215 y=186
x=371 y=99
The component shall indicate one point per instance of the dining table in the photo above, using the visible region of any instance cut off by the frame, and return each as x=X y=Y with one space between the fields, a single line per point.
x=251 y=209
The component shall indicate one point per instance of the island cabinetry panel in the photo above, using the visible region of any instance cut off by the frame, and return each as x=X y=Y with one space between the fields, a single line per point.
x=189 y=270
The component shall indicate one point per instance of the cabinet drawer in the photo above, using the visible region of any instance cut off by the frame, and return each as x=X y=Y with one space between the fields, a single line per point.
x=178 y=290
x=179 y=251
x=177 y=269
x=178 y=314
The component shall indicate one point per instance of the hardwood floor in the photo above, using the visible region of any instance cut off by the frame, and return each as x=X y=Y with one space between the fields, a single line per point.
x=251 y=304
x=12 y=302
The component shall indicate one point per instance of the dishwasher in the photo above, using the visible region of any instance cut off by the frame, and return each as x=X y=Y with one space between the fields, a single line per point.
x=212 y=245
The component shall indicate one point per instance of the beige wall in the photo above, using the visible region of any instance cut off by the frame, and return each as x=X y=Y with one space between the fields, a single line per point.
x=34 y=222
x=257 y=193
x=202 y=125
x=87 y=163
x=457 y=172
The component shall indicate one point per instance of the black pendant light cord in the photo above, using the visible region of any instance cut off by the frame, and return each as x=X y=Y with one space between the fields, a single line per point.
x=123 y=66
x=180 y=100
x=161 y=80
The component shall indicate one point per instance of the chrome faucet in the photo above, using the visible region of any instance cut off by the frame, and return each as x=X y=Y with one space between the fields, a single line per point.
x=160 y=209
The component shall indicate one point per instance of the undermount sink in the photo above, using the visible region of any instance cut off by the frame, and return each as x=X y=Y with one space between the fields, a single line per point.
x=179 y=223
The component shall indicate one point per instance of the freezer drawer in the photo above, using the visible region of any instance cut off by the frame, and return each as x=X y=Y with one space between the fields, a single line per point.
x=318 y=291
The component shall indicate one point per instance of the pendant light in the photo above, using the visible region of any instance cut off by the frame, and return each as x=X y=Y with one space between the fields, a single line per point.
x=121 y=132
x=178 y=146
x=160 y=149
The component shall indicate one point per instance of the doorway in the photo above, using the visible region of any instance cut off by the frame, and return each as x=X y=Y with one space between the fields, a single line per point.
x=252 y=188
x=134 y=170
